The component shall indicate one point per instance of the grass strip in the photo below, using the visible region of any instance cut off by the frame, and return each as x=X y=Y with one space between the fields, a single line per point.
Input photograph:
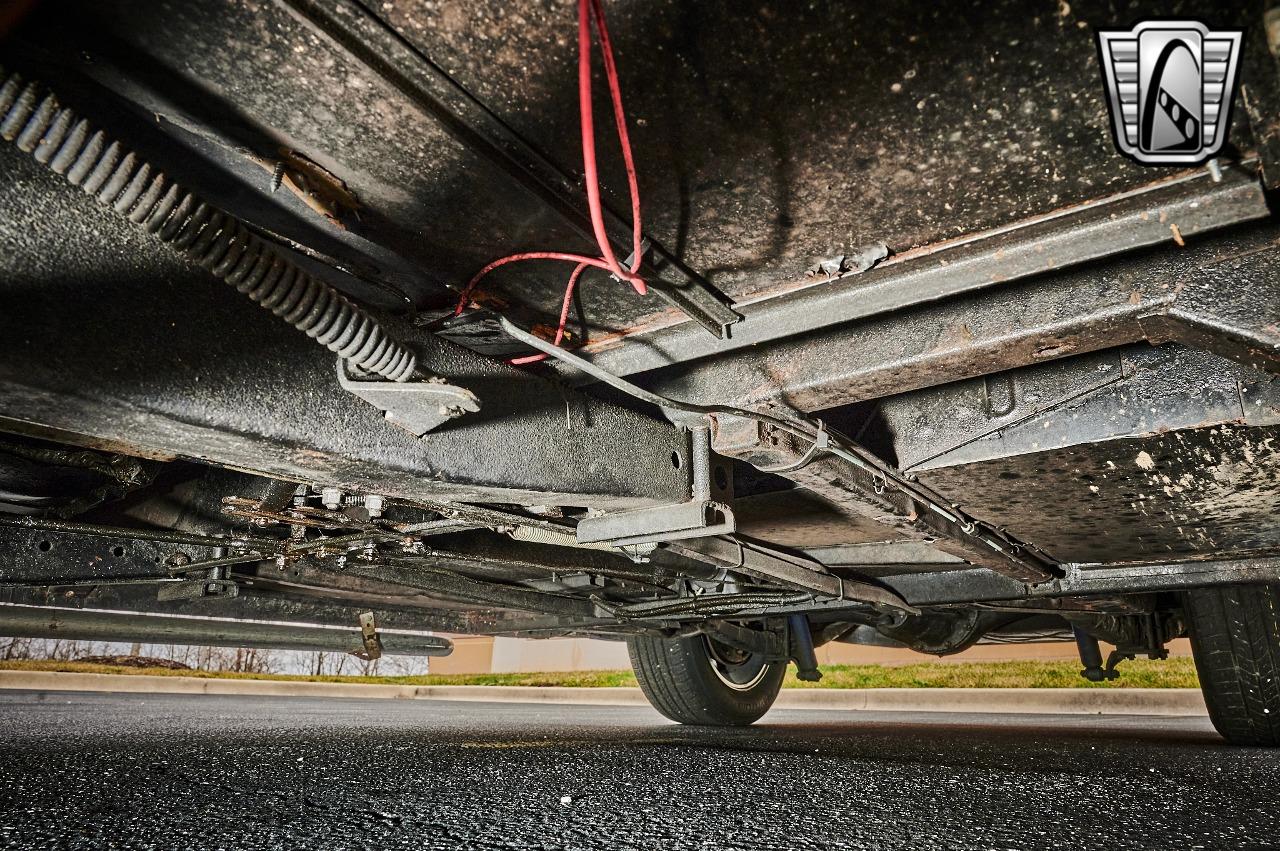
x=1141 y=673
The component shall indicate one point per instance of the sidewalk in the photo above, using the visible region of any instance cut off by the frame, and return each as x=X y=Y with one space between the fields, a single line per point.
x=1073 y=701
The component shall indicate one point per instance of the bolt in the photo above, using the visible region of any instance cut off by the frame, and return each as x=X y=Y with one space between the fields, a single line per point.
x=373 y=504
x=331 y=498
x=1215 y=170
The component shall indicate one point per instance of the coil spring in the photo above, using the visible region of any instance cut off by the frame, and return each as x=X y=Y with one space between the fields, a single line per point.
x=34 y=120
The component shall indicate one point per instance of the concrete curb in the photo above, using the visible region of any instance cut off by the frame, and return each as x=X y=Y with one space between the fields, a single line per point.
x=1070 y=701
x=1059 y=701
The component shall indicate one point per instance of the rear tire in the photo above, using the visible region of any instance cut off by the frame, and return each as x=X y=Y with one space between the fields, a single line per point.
x=1235 y=637
x=697 y=681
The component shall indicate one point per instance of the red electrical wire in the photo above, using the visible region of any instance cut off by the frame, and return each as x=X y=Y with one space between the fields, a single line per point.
x=586 y=8
x=624 y=139
x=588 y=11
x=564 y=316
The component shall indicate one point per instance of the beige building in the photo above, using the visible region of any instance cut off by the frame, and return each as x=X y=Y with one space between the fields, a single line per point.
x=483 y=654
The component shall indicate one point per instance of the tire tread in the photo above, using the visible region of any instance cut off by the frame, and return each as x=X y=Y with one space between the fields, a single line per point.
x=1235 y=638
x=676 y=678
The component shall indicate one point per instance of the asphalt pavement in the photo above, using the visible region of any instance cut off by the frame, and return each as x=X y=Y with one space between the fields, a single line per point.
x=89 y=770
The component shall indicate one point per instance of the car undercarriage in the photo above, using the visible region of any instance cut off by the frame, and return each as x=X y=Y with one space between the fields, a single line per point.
x=899 y=349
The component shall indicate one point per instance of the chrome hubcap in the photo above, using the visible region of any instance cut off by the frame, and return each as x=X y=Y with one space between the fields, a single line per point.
x=740 y=670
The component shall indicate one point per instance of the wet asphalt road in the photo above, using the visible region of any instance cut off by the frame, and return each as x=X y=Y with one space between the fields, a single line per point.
x=176 y=772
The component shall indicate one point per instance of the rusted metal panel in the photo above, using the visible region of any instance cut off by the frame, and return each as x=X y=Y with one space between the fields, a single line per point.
x=1221 y=293
x=1129 y=392
x=1134 y=453
x=1163 y=214
x=1197 y=493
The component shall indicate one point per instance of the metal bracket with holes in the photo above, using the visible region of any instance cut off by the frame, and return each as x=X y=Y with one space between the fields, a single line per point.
x=417 y=406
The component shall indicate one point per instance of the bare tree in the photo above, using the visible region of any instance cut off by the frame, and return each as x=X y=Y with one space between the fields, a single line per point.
x=15 y=648
x=248 y=660
x=61 y=650
x=405 y=666
x=329 y=664
x=244 y=660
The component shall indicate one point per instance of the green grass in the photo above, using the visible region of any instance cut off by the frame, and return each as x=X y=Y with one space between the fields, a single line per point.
x=1178 y=672
x=1141 y=673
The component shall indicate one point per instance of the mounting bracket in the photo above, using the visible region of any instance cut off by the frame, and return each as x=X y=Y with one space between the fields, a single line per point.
x=708 y=512
x=417 y=406
x=369 y=638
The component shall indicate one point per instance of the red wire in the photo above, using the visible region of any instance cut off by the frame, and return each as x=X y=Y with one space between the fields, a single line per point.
x=465 y=297
x=587 y=121
x=564 y=316
x=624 y=138
x=588 y=11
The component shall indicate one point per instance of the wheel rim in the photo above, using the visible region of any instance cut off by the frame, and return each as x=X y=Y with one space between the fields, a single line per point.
x=740 y=670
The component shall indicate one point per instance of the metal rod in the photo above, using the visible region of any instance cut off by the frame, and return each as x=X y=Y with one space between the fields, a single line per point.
x=17 y=619
x=450 y=585
x=158 y=536
x=213 y=563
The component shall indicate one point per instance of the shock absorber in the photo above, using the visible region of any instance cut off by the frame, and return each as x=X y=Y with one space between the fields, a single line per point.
x=35 y=121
